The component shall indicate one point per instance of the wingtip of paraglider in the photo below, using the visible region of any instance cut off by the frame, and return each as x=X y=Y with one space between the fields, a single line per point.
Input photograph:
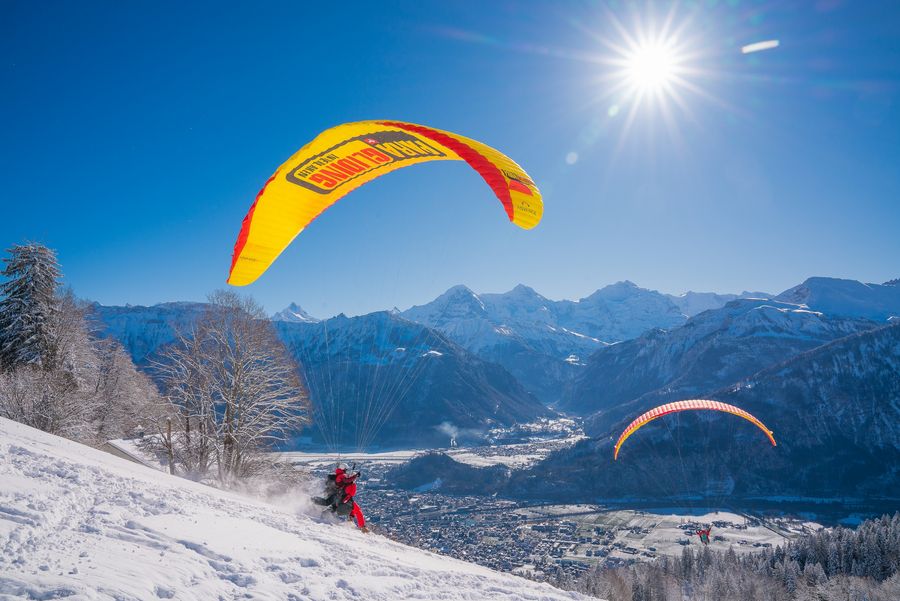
x=234 y=281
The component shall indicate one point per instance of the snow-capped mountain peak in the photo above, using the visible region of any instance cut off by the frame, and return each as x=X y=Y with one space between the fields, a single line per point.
x=294 y=313
x=617 y=292
x=523 y=292
x=533 y=336
x=461 y=294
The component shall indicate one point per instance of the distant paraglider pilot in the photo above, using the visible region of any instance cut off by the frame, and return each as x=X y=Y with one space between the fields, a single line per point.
x=704 y=535
x=340 y=490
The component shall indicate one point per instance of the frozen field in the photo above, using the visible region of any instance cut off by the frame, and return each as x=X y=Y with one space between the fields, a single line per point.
x=629 y=534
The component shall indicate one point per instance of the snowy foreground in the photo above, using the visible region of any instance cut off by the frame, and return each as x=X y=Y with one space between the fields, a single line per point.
x=79 y=523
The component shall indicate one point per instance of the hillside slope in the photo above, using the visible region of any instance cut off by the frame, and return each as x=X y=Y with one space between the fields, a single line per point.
x=834 y=410
x=77 y=522
x=714 y=349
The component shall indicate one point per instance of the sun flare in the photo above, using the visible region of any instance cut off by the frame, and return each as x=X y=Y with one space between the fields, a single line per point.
x=651 y=67
x=651 y=64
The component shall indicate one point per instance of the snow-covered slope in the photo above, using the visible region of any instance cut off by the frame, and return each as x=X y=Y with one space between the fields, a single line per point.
x=77 y=522
x=693 y=303
x=848 y=298
x=711 y=350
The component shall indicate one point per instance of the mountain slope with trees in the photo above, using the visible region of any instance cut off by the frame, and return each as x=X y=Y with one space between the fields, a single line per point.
x=711 y=350
x=861 y=564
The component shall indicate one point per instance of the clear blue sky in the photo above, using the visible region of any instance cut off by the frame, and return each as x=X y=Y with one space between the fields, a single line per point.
x=136 y=135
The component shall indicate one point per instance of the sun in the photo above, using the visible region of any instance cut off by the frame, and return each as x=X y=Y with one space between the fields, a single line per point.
x=651 y=67
x=650 y=64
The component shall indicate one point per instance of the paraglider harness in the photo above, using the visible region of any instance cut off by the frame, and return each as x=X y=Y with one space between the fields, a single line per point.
x=336 y=498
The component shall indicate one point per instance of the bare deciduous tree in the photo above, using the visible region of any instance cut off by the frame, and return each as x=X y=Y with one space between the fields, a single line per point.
x=234 y=388
x=120 y=393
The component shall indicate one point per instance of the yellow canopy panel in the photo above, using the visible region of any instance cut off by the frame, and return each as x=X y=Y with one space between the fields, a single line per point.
x=345 y=157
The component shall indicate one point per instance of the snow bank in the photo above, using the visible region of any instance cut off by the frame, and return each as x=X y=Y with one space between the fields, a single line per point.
x=77 y=522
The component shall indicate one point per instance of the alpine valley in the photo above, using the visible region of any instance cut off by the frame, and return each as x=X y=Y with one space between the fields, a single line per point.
x=819 y=363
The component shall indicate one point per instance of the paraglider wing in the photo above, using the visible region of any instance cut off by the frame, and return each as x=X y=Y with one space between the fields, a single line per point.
x=345 y=157
x=689 y=405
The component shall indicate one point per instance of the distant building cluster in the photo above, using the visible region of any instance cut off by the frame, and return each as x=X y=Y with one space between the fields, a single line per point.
x=496 y=533
x=534 y=539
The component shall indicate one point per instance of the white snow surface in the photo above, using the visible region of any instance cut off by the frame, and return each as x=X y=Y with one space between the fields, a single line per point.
x=847 y=298
x=78 y=523
x=693 y=303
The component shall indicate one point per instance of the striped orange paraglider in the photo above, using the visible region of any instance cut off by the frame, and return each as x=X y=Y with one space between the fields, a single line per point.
x=688 y=405
x=345 y=157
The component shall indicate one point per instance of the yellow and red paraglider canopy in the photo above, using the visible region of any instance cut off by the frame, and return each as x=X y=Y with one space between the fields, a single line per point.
x=688 y=405
x=345 y=157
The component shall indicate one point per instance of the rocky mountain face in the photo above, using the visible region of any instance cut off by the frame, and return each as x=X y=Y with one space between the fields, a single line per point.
x=711 y=350
x=616 y=312
x=294 y=313
x=517 y=330
x=376 y=380
x=834 y=411
x=619 y=311
x=470 y=361
x=543 y=342
x=838 y=410
x=382 y=380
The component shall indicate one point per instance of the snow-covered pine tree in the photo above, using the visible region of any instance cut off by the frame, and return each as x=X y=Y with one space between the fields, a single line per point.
x=54 y=374
x=28 y=306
